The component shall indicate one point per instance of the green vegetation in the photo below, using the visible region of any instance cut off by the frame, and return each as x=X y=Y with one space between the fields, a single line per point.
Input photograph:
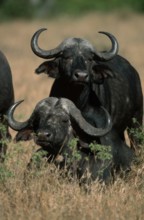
x=10 y=9
x=83 y=6
x=76 y=156
x=138 y=132
x=102 y=152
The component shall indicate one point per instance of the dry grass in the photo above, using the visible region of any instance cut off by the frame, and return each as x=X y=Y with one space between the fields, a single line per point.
x=44 y=195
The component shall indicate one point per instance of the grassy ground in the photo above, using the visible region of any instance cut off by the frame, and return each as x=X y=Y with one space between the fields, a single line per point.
x=44 y=195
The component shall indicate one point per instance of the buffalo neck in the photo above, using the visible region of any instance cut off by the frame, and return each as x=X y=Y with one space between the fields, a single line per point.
x=63 y=89
x=81 y=94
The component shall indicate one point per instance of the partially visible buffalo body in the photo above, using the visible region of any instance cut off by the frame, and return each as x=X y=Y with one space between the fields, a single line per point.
x=56 y=122
x=90 y=79
x=6 y=100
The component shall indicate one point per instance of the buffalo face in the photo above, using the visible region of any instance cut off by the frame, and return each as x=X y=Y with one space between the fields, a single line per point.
x=52 y=130
x=75 y=59
x=74 y=64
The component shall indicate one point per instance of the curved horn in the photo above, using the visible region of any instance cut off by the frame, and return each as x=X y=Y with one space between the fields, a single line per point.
x=104 y=56
x=15 y=125
x=83 y=124
x=46 y=54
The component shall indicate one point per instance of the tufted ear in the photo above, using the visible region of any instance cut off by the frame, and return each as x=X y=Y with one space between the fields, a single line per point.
x=50 y=68
x=24 y=135
x=101 y=72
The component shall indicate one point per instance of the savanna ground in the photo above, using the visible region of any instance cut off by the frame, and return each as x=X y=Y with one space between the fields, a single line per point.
x=44 y=195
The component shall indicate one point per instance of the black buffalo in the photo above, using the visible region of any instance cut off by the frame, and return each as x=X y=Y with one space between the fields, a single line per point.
x=90 y=78
x=56 y=122
x=6 y=100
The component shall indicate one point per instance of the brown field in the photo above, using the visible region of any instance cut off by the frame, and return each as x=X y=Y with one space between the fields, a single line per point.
x=44 y=196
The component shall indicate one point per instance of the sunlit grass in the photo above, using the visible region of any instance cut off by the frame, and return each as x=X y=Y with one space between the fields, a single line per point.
x=44 y=194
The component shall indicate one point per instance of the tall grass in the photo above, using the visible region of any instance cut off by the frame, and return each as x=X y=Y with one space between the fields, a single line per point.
x=44 y=194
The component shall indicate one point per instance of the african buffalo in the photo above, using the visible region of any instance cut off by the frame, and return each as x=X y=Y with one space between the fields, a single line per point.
x=6 y=100
x=90 y=78
x=56 y=122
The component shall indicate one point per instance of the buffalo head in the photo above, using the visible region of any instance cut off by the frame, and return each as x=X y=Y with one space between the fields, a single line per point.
x=75 y=59
x=53 y=121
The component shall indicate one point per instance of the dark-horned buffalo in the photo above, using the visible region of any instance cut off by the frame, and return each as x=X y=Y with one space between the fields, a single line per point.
x=6 y=100
x=90 y=79
x=55 y=122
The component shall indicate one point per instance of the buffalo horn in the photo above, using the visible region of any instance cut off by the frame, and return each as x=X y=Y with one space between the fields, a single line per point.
x=46 y=54
x=104 y=56
x=76 y=115
x=15 y=125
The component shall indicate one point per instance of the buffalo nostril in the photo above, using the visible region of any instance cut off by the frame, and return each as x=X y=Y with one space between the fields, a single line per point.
x=81 y=75
x=86 y=76
x=43 y=135
x=48 y=134
x=76 y=75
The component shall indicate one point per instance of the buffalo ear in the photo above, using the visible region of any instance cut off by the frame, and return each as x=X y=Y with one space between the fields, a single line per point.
x=24 y=135
x=49 y=67
x=102 y=72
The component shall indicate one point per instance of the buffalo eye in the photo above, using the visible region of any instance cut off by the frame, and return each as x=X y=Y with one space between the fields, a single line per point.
x=90 y=59
x=64 y=119
x=67 y=56
x=68 y=59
